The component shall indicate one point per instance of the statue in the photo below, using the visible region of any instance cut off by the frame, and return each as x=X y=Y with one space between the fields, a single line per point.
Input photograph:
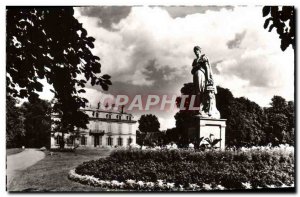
x=204 y=86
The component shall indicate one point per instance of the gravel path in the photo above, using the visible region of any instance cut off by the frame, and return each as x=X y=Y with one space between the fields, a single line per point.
x=21 y=161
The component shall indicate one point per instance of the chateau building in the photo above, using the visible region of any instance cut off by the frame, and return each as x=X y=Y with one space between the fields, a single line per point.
x=105 y=129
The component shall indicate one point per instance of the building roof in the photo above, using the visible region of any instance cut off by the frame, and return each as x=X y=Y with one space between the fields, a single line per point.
x=113 y=111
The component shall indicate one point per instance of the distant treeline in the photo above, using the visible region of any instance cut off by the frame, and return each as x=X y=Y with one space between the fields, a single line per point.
x=28 y=125
x=248 y=124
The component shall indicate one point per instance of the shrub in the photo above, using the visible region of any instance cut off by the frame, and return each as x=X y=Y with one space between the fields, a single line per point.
x=258 y=167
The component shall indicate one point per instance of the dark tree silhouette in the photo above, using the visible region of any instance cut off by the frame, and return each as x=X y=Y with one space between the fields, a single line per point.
x=171 y=135
x=14 y=123
x=224 y=98
x=283 y=20
x=49 y=43
x=281 y=123
x=149 y=123
x=186 y=122
x=149 y=132
x=245 y=123
x=37 y=123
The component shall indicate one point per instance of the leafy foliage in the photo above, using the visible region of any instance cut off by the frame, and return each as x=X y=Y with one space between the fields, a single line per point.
x=49 y=43
x=248 y=124
x=245 y=123
x=150 y=139
x=149 y=123
x=284 y=21
x=185 y=118
x=148 y=130
x=37 y=123
x=212 y=141
x=14 y=123
x=227 y=168
x=280 y=116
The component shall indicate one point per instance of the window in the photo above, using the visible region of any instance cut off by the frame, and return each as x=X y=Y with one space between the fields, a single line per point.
x=109 y=141
x=58 y=139
x=83 y=140
x=119 y=117
x=108 y=116
x=120 y=141
x=93 y=114
x=96 y=140
x=97 y=115
x=129 y=140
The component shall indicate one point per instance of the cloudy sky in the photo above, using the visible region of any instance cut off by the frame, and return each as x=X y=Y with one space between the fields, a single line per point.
x=149 y=50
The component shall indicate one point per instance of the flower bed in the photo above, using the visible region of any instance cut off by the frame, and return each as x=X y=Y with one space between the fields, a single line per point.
x=258 y=167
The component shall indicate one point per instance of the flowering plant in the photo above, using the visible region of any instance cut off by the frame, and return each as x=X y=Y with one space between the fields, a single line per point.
x=182 y=170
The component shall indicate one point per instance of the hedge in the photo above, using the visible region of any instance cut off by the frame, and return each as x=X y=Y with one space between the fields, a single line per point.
x=230 y=169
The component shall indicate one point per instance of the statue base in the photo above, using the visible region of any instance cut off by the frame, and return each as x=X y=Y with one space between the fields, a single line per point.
x=208 y=126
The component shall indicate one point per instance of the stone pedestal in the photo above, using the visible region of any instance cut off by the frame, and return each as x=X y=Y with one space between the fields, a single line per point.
x=213 y=126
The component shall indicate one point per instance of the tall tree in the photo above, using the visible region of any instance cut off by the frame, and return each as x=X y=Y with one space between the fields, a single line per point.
x=291 y=119
x=245 y=123
x=283 y=20
x=245 y=119
x=148 y=123
x=224 y=99
x=171 y=135
x=49 y=43
x=186 y=122
x=280 y=121
x=14 y=124
x=37 y=123
x=149 y=132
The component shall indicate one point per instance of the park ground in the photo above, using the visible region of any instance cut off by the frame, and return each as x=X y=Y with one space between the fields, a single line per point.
x=13 y=151
x=47 y=172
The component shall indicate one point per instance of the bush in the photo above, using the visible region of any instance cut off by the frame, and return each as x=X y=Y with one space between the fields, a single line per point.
x=230 y=169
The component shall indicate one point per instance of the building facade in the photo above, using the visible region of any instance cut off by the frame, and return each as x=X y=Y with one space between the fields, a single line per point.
x=105 y=129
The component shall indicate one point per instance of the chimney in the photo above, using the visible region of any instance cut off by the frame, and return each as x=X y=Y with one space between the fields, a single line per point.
x=122 y=109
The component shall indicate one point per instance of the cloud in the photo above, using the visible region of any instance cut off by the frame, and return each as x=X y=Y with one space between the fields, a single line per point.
x=95 y=96
x=150 y=50
x=182 y=11
x=166 y=123
x=236 y=42
x=107 y=15
x=260 y=68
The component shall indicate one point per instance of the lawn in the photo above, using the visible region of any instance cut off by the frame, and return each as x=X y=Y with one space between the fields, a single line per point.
x=12 y=151
x=51 y=173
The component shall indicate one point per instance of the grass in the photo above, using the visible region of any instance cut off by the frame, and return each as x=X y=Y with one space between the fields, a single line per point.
x=12 y=151
x=51 y=173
